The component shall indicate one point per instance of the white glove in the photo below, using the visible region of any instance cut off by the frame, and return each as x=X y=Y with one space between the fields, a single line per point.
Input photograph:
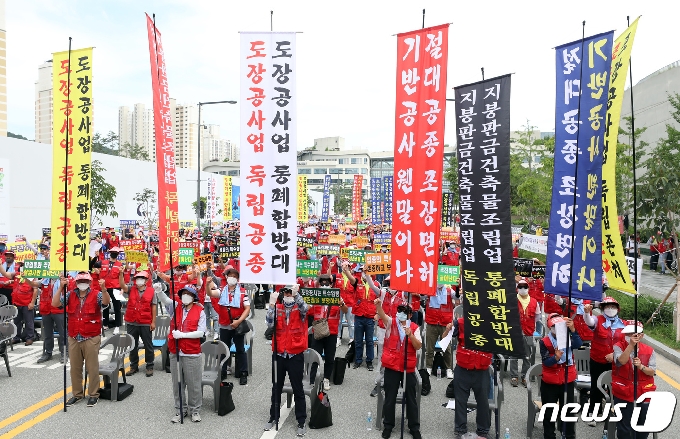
x=177 y=334
x=158 y=288
x=273 y=297
x=295 y=289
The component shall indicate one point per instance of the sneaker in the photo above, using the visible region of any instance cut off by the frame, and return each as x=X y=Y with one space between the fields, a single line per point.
x=514 y=382
x=416 y=434
x=326 y=384
x=243 y=380
x=457 y=435
x=387 y=433
x=301 y=430
x=195 y=417
x=149 y=373
x=177 y=418
x=374 y=392
x=116 y=330
x=132 y=371
x=62 y=359
x=44 y=358
x=356 y=365
x=369 y=366
x=449 y=374
x=269 y=425
x=591 y=424
x=72 y=401
x=524 y=382
x=429 y=371
x=92 y=401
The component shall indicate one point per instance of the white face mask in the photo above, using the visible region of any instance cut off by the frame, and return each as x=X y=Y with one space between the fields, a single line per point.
x=231 y=281
x=523 y=291
x=288 y=300
x=82 y=286
x=140 y=282
x=401 y=316
x=610 y=311
x=187 y=299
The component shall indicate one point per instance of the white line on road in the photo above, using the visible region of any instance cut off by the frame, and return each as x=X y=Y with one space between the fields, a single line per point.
x=285 y=411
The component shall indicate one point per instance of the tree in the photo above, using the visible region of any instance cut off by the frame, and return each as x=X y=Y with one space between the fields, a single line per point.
x=134 y=152
x=16 y=136
x=451 y=175
x=343 y=197
x=624 y=166
x=148 y=200
x=102 y=195
x=105 y=144
x=531 y=177
x=204 y=204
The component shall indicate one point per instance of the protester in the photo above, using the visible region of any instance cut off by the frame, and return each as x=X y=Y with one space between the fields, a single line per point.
x=9 y=266
x=390 y=300
x=83 y=309
x=399 y=355
x=110 y=271
x=365 y=292
x=24 y=295
x=52 y=320
x=438 y=314
x=140 y=320
x=528 y=318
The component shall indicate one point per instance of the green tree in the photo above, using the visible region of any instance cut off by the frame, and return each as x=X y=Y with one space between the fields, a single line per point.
x=451 y=175
x=16 y=136
x=148 y=199
x=204 y=202
x=107 y=144
x=624 y=166
x=134 y=152
x=102 y=195
x=343 y=197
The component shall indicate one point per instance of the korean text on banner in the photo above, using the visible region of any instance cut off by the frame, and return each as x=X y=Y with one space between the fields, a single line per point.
x=388 y=182
x=613 y=257
x=72 y=132
x=376 y=217
x=447 y=209
x=212 y=198
x=535 y=244
x=487 y=276
x=419 y=158
x=579 y=139
x=268 y=157
x=325 y=209
x=227 y=200
x=356 y=197
x=302 y=203
x=168 y=218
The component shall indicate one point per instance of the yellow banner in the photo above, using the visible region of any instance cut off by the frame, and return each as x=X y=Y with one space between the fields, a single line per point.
x=613 y=257
x=136 y=256
x=302 y=209
x=72 y=132
x=226 y=197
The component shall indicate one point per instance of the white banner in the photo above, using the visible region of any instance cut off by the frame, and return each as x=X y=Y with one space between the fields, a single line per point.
x=211 y=199
x=268 y=157
x=631 y=270
x=533 y=243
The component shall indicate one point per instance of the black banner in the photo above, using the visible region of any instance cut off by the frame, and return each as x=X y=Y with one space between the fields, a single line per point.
x=523 y=267
x=228 y=251
x=304 y=242
x=538 y=271
x=488 y=278
x=46 y=231
x=447 y=209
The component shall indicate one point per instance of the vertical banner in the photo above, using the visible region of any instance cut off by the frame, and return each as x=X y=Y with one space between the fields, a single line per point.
x=376 y=217
x=613 y=256
x=303 y=205
x=447 y=209
x=356 y=197
x=72 y=117
x=419 y=157
x=488 y=279
x=579 y=139
x=268 y=159
x=387 y=196
x=5 y=197
x=325 y=210
x=211 y=198
x=227 y=214
x=236 y=201
x=168 y=217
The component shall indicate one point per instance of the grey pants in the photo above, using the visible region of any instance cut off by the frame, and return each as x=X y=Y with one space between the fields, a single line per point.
x=192 y=369
x=527 y=360
x=53 y=323
x=432 y=334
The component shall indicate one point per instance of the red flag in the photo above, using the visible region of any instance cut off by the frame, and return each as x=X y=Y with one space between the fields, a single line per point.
x=356 y=197
x=418 y=158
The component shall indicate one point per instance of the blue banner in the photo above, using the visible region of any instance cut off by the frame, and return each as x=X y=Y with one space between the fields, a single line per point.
x=376 y=198
x=576 y=210
x=387 y=196
x=326 y=198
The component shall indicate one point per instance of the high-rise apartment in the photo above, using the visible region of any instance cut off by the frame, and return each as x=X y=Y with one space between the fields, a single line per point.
x=43 y=104
x=136 y=127
x=124 y=125
x=3 y=71
x=186 y=136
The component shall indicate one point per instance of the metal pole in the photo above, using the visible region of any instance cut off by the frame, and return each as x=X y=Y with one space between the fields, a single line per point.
x=198 y=178
x=482 y=73
x=271 y=29
x=423 y=18
x=66 y=201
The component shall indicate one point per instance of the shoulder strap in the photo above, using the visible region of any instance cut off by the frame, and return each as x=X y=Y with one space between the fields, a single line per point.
x=548 y=345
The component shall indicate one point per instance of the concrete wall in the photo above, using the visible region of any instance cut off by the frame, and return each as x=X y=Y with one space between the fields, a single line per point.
x=29 y=171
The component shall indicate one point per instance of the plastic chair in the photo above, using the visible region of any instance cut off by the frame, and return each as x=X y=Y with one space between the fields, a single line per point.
x=122 y=346
x=8 y=312
x=400 y=397
x=160 y=336
x=534 y=403
x=582 y=361
x=3 y=300
x=212 y=367
x=311 y=390
x=248 y=347
x=250 y=290
x=8 y=331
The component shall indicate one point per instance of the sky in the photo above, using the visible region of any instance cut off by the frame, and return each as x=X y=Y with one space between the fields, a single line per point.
x=346 y=67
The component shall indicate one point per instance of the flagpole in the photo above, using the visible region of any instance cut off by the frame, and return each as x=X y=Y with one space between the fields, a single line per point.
x=423 y=18
x=406 y=342
x=66 y=201
x=271 y=21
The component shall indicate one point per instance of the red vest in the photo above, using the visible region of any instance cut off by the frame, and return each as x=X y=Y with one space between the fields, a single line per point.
x=22 y=293
x=603 y=341
x=223 y=311
x=583 y=330
x=364 y=297
x=622 y=377
x=46 y=307
x=85 y=320
x=469 y=358
x=189 y=346
x=346 y=290
x=321 y=311
x=550 y=306
x=139 y=308
x=555 y=374
x=393 y=350
x=442 y=316
x=109 y=272
x=291 y=336
x=527 y=317
x=536 y=290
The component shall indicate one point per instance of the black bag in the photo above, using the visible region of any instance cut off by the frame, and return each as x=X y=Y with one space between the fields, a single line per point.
x=226 y=401
x=349 y=356
x=258 y=301
x=242 y=328
x=425 y=378
x=269 y=333
x=322 y=415
x=339 y=366
x=450 y=392
x=438 y=361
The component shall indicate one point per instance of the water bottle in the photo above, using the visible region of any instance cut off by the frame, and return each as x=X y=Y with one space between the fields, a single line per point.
x=439 y=374
x=369 y=422
x=604 y=434
x=507 y=433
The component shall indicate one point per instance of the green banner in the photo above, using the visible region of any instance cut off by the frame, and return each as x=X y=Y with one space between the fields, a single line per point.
x=361 y=226
x=307 y=268
x=327 y=250
x=40 y=268
x=356 y=256
x=321 y=296
x=186 y=256
x=448 y=274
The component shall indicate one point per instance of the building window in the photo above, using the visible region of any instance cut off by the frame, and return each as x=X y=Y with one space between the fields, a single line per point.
x=320 y=171
x=335 y=170
x=314 y=181
x=234 y=173
x=364 y=171
x=365 y=161
x=351 y=171
x=343 y=161
x=304 y=171
x=356 y=161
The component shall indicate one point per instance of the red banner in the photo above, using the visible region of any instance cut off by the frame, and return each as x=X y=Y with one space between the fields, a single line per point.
x=132 y=244
x=418 y=158
x=165 y=155
x=356 y=197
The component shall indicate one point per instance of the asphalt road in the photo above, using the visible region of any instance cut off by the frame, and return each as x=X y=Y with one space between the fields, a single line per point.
x=32 y=405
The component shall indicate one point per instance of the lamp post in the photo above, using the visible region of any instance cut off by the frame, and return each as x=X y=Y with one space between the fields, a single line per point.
x=198 y=179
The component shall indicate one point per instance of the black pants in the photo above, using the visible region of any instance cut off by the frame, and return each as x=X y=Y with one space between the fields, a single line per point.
x=326 y=347
x=145 y=333
x=478 y=381
x=52 y=323
x=596 y=369
x=653 y=261
x=25 y=317
x=294 y=366
x=116 y=311
x=393 y=379
x=229 y=336
x=623 y=428
x=554 y=393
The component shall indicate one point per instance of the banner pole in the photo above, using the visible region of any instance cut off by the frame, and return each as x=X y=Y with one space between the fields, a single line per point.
x=406 y=342
x=271 y=21
x=277 y=395
x=66 y=201
x=482 y=73
x=423 y=28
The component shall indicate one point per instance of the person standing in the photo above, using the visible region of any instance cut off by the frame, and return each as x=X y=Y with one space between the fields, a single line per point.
x=110 y=272
x=653 y=252
x=140 y=320
x=83 y=308
x=24 y=295
x=663 y=253
x=7 y=282
x=365 y=292
x=438 y=314
x=288 y=347
x=528 y=317
x=52 y=320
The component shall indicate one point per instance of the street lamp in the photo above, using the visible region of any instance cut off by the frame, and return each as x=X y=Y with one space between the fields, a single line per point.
x=198 y=180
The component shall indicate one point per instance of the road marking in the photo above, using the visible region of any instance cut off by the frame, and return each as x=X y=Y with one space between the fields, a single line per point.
x=28 y=424
x=271 y=434
x=668 y=379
